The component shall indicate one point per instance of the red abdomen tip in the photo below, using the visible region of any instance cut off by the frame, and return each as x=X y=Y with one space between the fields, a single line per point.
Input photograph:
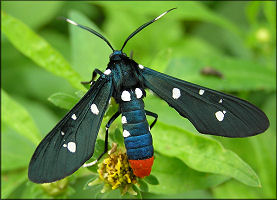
x=142 y=168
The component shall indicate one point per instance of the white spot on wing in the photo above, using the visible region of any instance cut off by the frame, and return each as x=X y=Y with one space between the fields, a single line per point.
x=141 y=66
x=71 y=146
x=71 y=22
x=126 y=96
x=64 y=145
x=94 y=109
x=126 y=133
x=107 y=72
x=123 y=120
x=74 y=117
x=138 y=93
x=201 y=92
x=224 y=111
x=176 y=93
x=220 y=115
x=62 y=133
x=220 y=101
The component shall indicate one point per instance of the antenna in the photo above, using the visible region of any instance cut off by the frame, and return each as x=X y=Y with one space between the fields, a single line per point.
x=88 y=29
x=143 y=26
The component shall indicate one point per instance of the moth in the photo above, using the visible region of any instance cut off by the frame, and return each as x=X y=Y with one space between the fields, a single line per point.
x=71 y=142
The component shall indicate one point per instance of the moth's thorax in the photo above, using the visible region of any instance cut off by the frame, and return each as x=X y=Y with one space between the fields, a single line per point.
x=125 y=73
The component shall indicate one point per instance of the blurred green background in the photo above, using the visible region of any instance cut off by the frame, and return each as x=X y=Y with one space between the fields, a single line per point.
x=44 y=59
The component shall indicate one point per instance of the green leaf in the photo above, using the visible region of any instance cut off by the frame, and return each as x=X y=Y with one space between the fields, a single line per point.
x=89 y=193
x=59 y=41
x=45 y=10
x=161 y=60
x=252 y=10
x=143 y=186
x=38 y=50
x=202 y=153
x=239 y=75
x=10 y=181
x=151 y=179
x=16 y=150
x=63 y=100
x=196 y=194
x=270 y=13
x=188 y=10
x=176 y=177
x=260 y=153
x=146 y=44
x=116 y=136
x=138 y=196
x=18 y=118
x=33 y=191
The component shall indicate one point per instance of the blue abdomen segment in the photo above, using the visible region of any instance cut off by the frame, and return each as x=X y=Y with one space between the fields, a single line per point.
x=136 y=132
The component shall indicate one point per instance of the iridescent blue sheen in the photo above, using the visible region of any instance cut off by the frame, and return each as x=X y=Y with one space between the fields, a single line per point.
x=139 y=142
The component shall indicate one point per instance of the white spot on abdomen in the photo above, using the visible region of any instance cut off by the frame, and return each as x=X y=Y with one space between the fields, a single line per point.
x=176 y=93
x=126 y=96
x=138 y=93
x=201 y=92
x=126 y=133
x=220 y=115
x=94 y=109
x=141 y=66
x=74 y=117
x=71 y=146
x=220 y=101
x=107 y=72
x=123 y=120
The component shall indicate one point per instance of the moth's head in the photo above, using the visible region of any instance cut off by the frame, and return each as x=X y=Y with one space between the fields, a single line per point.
x=117 y=55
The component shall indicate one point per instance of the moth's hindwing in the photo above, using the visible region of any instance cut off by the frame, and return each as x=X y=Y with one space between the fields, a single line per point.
x=72 y=140
x=210 y=111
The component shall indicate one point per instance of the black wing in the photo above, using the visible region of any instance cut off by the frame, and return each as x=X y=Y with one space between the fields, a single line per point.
x=72 y=140
x=210 y=111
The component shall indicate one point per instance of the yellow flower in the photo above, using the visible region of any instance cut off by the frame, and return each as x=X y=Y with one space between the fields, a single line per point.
x=116 y=172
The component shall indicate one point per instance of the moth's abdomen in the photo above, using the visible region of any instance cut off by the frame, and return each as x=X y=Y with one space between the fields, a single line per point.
x=136 y=133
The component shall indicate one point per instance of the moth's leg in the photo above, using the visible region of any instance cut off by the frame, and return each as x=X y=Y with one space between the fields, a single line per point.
x=106 y=139
x=94 y=74
x=107 y=132
x=152 y=115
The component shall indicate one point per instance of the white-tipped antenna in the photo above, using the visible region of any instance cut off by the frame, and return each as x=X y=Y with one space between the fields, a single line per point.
x=71 y=22
x=88 y=29
x=145 y=25
x=163 y=14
